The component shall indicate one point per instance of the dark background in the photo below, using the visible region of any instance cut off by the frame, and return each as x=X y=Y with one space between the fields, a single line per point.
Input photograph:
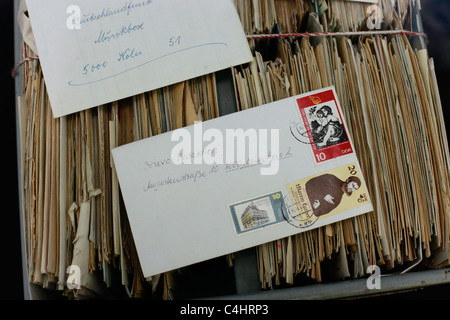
x=10 y=248
x=435 y=15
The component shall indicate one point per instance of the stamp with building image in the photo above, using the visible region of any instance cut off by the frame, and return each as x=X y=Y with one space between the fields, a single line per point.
x=258 y=212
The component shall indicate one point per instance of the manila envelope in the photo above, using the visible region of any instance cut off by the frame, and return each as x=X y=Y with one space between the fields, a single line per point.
x=240 y=180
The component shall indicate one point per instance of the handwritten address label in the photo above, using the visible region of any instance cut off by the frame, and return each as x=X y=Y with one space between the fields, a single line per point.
x=95 y=52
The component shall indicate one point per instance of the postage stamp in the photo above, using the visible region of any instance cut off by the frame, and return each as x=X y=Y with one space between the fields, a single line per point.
x=325 y=194
x=321 y=126
x=258 y=212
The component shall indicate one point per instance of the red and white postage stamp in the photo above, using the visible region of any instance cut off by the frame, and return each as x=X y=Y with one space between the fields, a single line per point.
x=322 y=126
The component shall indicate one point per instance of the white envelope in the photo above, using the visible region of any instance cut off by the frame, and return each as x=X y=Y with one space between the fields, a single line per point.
x=292 y=177
x=96 y=52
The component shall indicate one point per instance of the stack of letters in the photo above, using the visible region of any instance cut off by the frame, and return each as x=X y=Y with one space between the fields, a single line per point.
x=78 y=235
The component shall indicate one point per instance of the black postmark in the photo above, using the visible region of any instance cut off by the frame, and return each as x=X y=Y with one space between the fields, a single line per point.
x=297 y=215
x=299 y=131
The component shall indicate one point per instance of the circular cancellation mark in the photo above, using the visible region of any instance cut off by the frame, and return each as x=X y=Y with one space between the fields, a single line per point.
x=297 y=215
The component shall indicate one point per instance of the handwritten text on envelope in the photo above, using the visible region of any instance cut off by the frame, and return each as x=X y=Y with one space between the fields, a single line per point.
x=194 y=193
x=95 y=52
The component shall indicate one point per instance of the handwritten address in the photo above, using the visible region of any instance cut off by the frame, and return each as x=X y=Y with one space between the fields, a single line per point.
x=126 y=8
x=108 y=35
x=127 y=58
x=197 y=175
x=188 y=176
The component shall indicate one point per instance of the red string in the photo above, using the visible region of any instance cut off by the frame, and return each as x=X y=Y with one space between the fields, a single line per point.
x=344 y=33
x=18 y=64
